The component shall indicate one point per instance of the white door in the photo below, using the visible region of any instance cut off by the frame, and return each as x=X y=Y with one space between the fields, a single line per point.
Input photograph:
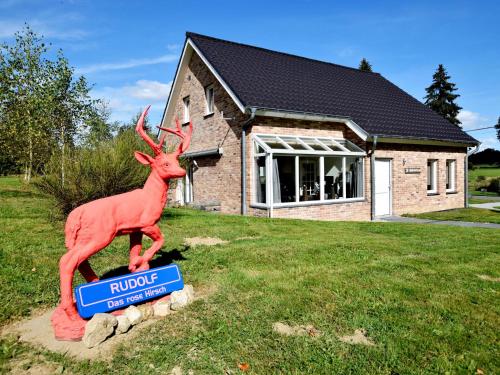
x=382 y=187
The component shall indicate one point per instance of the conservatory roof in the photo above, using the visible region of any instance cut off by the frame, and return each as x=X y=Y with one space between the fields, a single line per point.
x=291 y=144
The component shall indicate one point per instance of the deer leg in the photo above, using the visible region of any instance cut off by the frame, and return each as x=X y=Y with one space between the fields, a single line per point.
x=87 y=272
x=135 y=249
x=67 y=268
x=155 y=234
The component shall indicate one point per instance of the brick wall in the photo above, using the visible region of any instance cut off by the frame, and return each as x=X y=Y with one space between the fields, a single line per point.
x=219 y=178
x=216 y=178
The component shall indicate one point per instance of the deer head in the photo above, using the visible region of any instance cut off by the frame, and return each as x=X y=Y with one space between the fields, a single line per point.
x=166 y=165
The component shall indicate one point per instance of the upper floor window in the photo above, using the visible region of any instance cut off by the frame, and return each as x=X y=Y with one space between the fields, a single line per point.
x=186 y=103
x=431 y=176
x=209 y=99
x=451 y=175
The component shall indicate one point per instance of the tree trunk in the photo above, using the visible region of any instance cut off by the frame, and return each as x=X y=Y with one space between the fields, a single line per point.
x=63 y=147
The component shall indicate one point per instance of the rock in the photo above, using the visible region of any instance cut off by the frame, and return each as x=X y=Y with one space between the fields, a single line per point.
x=161 y=308
x=182 y=298
x=176 y=371
x=146 y=310
x=133 y=314
x=123 y=324
x=98 y=329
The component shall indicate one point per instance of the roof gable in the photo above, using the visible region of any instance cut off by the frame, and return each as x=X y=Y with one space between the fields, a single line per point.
x=267 y=79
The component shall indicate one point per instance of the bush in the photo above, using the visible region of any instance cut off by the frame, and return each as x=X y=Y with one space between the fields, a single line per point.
x=91 y=173
x=491 y=184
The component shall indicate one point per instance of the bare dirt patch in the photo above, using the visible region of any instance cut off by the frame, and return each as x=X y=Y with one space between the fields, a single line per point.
x=358 y=338
x=204 y=241
x=301 y=330
x=489 y=278
x=38 y=331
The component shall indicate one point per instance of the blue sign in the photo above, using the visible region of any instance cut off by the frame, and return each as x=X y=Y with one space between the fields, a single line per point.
x=119 y=292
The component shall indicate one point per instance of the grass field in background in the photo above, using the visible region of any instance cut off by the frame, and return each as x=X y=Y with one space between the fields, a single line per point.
x=478 y=215
x=414 y=288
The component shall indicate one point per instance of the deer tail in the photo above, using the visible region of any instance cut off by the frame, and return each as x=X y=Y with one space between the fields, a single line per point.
x=73 y=224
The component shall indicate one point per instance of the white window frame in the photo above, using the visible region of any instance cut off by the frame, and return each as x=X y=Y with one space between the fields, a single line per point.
x=307 y=152
x=433 y=176
x=451 y=175
x=186 y=102
x=209 y=104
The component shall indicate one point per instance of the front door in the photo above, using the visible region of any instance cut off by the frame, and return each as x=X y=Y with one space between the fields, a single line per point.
x=382 y=187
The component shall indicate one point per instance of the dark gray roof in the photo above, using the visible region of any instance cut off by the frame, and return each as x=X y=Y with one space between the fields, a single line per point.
x=274 y=80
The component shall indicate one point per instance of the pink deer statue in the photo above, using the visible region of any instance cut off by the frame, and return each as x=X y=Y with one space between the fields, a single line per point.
x=92 y=226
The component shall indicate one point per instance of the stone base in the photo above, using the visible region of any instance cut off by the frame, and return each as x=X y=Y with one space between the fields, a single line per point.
x=66 y=328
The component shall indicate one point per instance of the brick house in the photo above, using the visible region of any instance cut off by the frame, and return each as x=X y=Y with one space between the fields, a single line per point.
x=278 y=135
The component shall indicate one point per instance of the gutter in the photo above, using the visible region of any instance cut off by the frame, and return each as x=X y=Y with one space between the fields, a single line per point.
x=372 y=176
x=244 y=128
x=212 y=152
x=466 y=174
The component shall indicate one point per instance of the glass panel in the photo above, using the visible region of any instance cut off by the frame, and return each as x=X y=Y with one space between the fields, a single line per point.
x=333 y=177
x=448 y=174
x=272 y=142
x=260 y=179
x=284 y=179
x=258 y=148
x=354 y=177
x=349 y=145
x=330 y=144
x=294 y=143
x=308 y=178
x=312 y=143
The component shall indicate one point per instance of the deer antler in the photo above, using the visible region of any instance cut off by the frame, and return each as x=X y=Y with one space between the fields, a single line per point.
x=185 y=137
x=140 y=129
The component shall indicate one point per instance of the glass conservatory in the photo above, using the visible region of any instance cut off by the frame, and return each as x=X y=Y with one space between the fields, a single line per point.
x=298 y=170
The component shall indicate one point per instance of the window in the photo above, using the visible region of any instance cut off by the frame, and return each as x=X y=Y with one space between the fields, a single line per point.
x=306 y=170
x=450 y=175
x=260 y=179
x=186 y=109
x=209 y=99
x=284 y=179
x=432 y=176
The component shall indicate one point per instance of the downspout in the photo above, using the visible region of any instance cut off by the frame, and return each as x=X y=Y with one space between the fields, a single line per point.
x=466 y=175
x=244 y=128
x=372 y=176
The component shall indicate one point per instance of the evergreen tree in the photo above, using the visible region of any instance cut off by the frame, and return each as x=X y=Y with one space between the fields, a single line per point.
x=497 y=128
x=440 y=96
x=365 y=66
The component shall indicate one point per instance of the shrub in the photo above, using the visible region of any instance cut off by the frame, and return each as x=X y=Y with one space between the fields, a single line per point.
x=491 y=184
x=91 y=173
x=480 y=178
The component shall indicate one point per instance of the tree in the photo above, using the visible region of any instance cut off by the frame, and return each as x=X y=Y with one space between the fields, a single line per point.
x=440 y=96
x=42 y=106
x=98 y=126
x=497 y=128
x=365 y=66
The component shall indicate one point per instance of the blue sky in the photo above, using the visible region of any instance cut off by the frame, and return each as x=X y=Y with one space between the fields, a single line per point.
x=129 y=49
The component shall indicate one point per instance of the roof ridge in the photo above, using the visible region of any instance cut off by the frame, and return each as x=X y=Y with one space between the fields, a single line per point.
x=189 y=33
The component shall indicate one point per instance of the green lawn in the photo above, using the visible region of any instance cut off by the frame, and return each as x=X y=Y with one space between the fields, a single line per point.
x=486 y=171
x=414 y=288
x=479 y=215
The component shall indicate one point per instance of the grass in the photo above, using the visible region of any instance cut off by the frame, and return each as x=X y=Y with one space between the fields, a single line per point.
x=486 y=171
x=477 y=215
x=414 y=288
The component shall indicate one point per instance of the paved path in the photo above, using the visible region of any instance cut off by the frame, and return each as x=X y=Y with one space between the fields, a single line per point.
x=489 y=205
x=401 y=219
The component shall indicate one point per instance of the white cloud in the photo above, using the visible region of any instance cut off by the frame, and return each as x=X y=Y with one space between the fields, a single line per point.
x=47 y=29
x=125 y=64
x=126 y=101
x=152 y=90
x=471 y=120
